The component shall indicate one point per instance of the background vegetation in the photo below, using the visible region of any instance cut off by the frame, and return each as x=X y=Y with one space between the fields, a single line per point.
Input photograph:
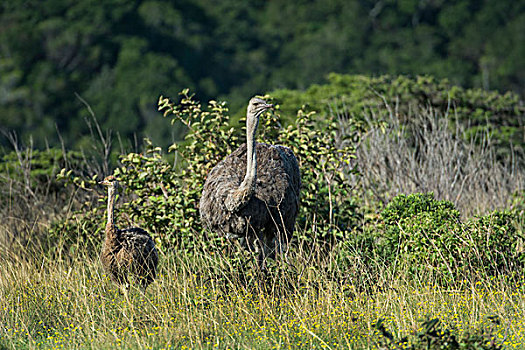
x=121 y=55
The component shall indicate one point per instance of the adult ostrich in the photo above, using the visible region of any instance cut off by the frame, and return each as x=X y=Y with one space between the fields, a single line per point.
x=129 y=250
x=253 y=194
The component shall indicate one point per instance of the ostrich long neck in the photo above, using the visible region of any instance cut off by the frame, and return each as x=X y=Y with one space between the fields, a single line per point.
x=251 y=163
x=239 y=197
x=110 y=225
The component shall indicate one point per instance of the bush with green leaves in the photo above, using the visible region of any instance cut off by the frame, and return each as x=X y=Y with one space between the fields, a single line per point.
x=162 y=191
x=427 y=235
x=422 y=232
x=498 y=239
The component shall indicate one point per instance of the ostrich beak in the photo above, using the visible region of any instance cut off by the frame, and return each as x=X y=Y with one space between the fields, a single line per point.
x=268 y=106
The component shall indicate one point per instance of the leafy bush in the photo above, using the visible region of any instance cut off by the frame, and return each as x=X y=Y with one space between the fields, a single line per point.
x=498 y=242
x=423 y=232
x=426 y=234
x=163 y=196
x=407 y=206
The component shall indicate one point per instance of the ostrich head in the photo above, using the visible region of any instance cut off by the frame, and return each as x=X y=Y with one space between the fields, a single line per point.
x=112 y=184
x=110 y=181
x=255 y=108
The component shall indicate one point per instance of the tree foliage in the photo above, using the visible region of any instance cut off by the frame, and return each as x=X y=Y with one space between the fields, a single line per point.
x=121 y=55
x=358 y=96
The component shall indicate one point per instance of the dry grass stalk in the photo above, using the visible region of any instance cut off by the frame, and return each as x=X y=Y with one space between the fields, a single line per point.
x=429 y=153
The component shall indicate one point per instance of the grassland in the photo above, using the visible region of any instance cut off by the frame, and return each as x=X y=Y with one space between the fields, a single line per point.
x=200 y=301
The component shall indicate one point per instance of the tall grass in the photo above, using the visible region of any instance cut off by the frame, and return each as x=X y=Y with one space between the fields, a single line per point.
x=201 y=300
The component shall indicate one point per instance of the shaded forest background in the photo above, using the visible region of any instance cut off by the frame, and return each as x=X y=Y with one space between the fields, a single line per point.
x=120 y=55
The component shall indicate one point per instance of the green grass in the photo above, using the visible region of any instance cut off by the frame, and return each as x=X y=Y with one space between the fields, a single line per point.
x=203 y=301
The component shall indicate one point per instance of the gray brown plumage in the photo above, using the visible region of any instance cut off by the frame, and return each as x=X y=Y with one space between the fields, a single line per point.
x=127 y=251
x=253 y=194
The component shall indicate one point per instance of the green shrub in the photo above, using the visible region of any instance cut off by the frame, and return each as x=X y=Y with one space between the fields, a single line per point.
x=163 y=196
x=425 y=234
x=498 y=242
x=407 y=206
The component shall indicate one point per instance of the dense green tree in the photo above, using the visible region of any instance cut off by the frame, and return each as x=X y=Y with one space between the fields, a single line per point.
x=107 y=53
x=119 y=55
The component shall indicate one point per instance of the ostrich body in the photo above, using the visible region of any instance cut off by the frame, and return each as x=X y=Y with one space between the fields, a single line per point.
x=129 y=250
x=253 y=193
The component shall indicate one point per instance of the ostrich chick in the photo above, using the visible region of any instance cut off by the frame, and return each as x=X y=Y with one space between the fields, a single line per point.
x=129 y=250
